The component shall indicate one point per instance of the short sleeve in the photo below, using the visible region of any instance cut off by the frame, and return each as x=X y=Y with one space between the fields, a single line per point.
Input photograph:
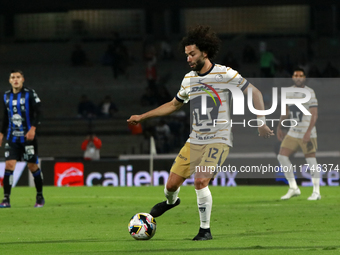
x=35 y=97
x=182 y=95
x=313 y=102
x=234 y=78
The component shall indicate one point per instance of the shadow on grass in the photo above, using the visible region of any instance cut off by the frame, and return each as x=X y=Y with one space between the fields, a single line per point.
x=170 y=250
x=217 y=249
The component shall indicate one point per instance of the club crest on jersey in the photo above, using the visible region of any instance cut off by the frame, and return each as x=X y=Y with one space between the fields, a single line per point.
x=17 y=120
x=218 y=77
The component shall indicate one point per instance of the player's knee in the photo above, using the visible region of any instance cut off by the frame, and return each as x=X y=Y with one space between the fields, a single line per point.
x=32 y=167
x=201 y=183
x=10 y=165
x=172 y=187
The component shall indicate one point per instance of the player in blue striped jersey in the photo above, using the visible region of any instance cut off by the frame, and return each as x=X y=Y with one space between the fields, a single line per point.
x=20 y=120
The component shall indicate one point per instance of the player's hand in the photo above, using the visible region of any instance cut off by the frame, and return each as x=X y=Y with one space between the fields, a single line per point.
x=134 y=119
x=265 y=131
x=306 y=137
x=30 y=134
x=279 y=134
x=1 y=137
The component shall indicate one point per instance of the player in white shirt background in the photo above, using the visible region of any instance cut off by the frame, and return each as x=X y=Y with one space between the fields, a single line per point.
x=207 y=145
x=303 y=136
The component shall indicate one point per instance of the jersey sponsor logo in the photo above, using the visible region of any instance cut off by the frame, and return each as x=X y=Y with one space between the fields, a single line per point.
x=18 y=133
x=69 y=174
x=182 y=157
x=17 y=120
x=213 y=90
x=22 y=100
x=205 y=89
x=207 y=137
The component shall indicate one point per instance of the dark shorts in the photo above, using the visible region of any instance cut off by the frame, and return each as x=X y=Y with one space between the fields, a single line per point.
x=27 y=151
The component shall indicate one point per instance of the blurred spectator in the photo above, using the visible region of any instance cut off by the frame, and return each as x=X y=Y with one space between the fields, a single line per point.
x=249 y=55
x=162 y=137
x=91 y=147
x=117 y=57
x=330 y=71
x=163 y=95
x=78 y=56
x=165 y=49
x=86 y=109
x=151 y=62
x=267 y=61
x=148 y=98
x=116 y=63
x=230 y=61
x=124 y=60
x=107 y=108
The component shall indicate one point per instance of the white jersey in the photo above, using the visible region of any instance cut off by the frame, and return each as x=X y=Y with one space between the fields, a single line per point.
x=210 y=101
x=302 y=120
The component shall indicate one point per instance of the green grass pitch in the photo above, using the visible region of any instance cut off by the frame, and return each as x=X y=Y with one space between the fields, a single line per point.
x=245 y=220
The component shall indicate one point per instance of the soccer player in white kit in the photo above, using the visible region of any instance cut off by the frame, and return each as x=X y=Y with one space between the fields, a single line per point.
x=303 y=136
x=208 y=145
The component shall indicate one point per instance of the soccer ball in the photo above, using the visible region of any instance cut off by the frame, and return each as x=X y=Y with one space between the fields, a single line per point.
x=142 y=226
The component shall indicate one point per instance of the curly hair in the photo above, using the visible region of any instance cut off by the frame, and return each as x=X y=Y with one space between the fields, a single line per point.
x=204 y=39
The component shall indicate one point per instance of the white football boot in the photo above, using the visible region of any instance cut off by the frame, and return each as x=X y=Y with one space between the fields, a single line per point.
x=314 y=196
x=291 y=193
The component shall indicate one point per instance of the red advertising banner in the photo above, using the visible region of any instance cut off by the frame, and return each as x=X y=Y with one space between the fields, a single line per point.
x=68 y=174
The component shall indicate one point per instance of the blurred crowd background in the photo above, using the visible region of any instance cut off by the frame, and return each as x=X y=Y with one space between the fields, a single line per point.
x=94 y=64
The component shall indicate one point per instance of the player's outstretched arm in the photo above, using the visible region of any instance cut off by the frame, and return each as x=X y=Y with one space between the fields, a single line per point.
x=162 y=110
x=264 y=130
